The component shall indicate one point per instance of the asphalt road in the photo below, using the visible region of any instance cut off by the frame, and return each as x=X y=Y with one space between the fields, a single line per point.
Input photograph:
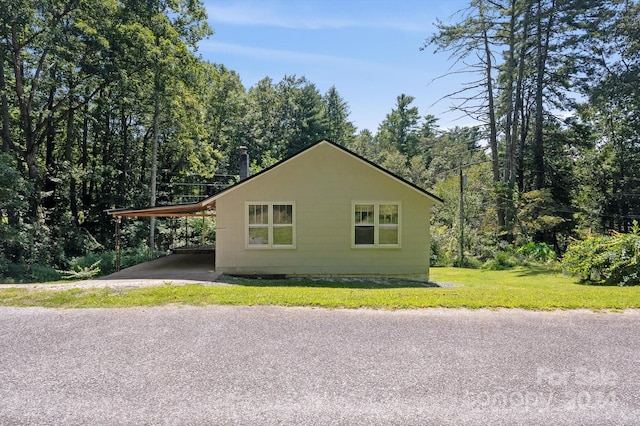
x=270 y=365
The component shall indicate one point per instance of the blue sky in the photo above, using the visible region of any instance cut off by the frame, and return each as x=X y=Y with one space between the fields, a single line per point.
x=367 y=49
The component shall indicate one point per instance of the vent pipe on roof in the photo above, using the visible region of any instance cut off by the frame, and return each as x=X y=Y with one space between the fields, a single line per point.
x=244 y=163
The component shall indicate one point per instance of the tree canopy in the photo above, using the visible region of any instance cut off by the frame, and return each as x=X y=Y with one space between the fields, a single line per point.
x=107 y=104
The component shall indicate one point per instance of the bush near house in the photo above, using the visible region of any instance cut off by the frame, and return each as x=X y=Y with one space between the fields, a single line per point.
x=530 y=253
x=606 y=260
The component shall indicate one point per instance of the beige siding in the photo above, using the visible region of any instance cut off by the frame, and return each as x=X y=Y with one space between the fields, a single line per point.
x=323 y=182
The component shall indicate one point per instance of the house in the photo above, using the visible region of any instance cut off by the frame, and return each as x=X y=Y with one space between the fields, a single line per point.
x=324 y=211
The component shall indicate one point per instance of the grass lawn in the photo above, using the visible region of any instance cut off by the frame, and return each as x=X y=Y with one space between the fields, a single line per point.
x=526 y=288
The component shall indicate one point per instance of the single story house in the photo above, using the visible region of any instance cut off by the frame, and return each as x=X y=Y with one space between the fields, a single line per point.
x=324 y=211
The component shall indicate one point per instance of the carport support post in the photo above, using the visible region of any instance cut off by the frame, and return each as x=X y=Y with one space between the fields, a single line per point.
x=173 y=232
x=186 y=231
x=202 y=243
x=117 y=243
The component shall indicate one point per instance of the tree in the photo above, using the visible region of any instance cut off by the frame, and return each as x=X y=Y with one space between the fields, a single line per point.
x=341 y=130
x=264 y=121
x=400 y=128
x=285 y=117
x=168 y=29
x=474 y=36
x=522 y=55
x=453 y=148
x=226 y=117
x=47 y=67
x=612 y=60
x=365 y=145
x=13 y=192
x=307 y=122
x=76 y=85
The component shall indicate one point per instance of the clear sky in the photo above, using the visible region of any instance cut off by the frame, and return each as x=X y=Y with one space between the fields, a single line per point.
x=367 y=49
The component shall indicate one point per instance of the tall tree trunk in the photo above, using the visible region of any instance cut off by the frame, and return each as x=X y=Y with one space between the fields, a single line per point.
x=493 y=133
x=525 y=117
x=154 y=167
x=25 y=112
x=124 y=164
x=542 y=45
x=619 y=179
x=512 y=94
x=51 y=170
x=94 y=162
x=107 y=178
x=68 y=154
x=86 y=201
x=143 y=158
x=519 y=138
x=510 y=110
x=4 y=105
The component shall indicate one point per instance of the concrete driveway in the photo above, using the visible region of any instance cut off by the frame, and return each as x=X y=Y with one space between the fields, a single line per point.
x=191 y=267
x=223 y=365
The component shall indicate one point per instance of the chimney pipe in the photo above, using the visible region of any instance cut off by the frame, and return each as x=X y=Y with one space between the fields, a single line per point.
x=244 y=163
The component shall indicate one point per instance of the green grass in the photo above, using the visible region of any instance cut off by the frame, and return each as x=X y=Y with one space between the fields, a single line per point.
x=526 y=288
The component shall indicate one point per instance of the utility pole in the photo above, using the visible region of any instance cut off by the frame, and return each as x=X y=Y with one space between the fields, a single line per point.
x=462 y=182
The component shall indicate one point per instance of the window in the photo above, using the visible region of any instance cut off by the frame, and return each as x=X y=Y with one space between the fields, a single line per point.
x=364 y=224
x=258 y=224
x=376 y=224
x=270 y=225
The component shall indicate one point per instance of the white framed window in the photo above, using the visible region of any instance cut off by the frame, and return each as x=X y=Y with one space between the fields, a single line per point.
x=375 y=224
x=270 y=225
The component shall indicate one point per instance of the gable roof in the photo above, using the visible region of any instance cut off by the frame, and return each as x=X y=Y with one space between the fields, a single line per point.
x=210 y=202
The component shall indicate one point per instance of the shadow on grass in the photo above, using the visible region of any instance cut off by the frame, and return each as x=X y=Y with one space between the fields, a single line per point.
x=535 y=270
x=355 y=283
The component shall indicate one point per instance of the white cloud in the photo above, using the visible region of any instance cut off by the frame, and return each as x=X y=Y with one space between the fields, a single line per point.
x=279 y=55
x=254 y=14
x=275 y=14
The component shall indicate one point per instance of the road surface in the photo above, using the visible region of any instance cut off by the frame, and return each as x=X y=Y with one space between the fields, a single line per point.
x=272 y=365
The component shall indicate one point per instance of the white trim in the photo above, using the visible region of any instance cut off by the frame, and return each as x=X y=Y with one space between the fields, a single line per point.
x=376 y=224
x=269 y=226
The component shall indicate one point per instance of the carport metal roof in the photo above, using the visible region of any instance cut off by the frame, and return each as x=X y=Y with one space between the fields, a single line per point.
x=205 y=207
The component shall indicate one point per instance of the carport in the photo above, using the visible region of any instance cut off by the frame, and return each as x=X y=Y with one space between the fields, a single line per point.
x=203 y=209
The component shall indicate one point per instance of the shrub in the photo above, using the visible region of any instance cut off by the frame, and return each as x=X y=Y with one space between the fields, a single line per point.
x=81 y=273
x=510 y=256
x=608 y=260
x=20 y=273
x=469 y=262
x=4 y=263
x=79 y=268
x=501 y=261
x=441 y=253
x=107 y=260
x=537 y=252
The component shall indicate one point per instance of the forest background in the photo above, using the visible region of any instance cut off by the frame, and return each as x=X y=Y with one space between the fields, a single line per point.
x=108 y=104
